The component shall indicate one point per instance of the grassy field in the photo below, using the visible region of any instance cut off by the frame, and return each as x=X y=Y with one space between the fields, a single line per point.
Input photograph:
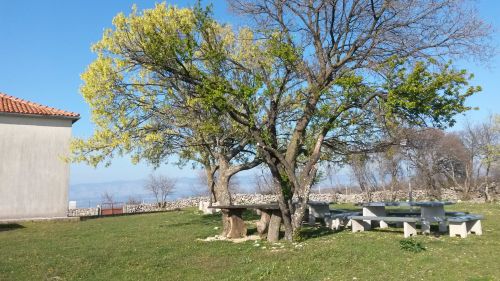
x=165 y=246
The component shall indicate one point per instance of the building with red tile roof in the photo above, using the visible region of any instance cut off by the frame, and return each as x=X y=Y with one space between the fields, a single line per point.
x=34 y=178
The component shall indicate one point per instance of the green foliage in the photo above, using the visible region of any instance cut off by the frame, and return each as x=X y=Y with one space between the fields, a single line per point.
x=411 y=245
x=154 y=89
x=423 y=97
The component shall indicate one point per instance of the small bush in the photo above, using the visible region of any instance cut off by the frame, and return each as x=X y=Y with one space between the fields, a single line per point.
x=411 y=245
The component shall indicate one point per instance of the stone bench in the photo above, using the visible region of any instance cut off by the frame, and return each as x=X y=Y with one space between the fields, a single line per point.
x=362 y=223
x=317 y=210
x=427 y=225
x=464 y=225
x=406 y=213
x=337 y=220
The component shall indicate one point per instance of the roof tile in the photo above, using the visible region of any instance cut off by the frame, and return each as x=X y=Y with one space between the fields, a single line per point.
x=10 y=104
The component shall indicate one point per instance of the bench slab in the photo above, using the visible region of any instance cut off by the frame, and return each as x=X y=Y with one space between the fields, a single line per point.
x=387 y=219
x=465 y=218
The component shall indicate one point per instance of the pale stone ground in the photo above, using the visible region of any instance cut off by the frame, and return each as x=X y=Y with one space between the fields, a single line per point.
x=234 y=240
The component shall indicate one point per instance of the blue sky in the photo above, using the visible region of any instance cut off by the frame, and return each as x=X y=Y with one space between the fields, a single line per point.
x=45 y=46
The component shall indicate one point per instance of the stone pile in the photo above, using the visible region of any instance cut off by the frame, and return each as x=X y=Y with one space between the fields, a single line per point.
x=83 y=212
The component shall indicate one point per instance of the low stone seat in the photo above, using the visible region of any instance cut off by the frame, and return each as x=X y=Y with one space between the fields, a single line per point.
x=361 y=223
x=337 y=220
x=464 y=225
x=414 y=213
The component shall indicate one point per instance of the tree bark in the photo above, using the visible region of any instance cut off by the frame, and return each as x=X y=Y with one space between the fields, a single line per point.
x=223 y=198
x=285 y=194
x=487 y=184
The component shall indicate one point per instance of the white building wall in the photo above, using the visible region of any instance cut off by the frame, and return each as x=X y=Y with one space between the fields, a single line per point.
x=34 y=179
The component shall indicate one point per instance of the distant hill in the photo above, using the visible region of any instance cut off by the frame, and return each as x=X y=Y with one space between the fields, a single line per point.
x=90 y=194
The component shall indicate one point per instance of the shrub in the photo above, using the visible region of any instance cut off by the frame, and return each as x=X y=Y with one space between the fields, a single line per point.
x=411 y=245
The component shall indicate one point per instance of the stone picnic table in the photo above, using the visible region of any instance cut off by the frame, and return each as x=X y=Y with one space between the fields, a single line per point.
x=430 y=211
x=268 y=225
x=270 y=218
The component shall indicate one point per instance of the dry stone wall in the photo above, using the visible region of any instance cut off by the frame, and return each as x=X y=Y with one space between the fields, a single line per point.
x=245 y=199
x=83 y=212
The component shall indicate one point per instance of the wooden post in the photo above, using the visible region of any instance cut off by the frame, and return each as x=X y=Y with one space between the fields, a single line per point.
x=273 y=234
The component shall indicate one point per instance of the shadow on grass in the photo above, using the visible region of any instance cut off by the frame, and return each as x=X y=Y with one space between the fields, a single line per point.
x=393 y=229
x=202 y=219
x=314 y=232
x=211 y=218
x=247 y=216
x=12 y=226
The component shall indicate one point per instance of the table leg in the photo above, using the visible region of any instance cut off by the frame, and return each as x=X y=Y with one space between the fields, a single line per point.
x=426 y=227
x=443 y=227
x=318 y=211
x=375 y=211
x=237 y=227
x=311 y=217
x=433 y=214
x=263 y=223
x=273 y=233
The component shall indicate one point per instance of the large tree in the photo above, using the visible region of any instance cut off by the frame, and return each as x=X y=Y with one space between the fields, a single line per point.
x=337 y=85
x=308 y=80
x=138 y=110
x=482 y=142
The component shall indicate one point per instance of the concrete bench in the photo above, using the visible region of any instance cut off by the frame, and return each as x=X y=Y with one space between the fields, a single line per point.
x=317 y=210
x=442 y=221
x=361 y=223
x=409 y=213
x=464 y=225
x=338 y=220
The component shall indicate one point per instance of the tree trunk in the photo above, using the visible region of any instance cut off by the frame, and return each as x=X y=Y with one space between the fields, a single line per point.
x=285 y=194
x=303 y=192
x=223 y=198
x=292 y=214
x=487 y=184
x=298 y=215
x=209 y=173
x=394 y=180
x=286 y=208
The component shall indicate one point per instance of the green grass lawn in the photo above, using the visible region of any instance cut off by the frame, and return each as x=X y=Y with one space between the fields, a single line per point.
x=164 y=246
